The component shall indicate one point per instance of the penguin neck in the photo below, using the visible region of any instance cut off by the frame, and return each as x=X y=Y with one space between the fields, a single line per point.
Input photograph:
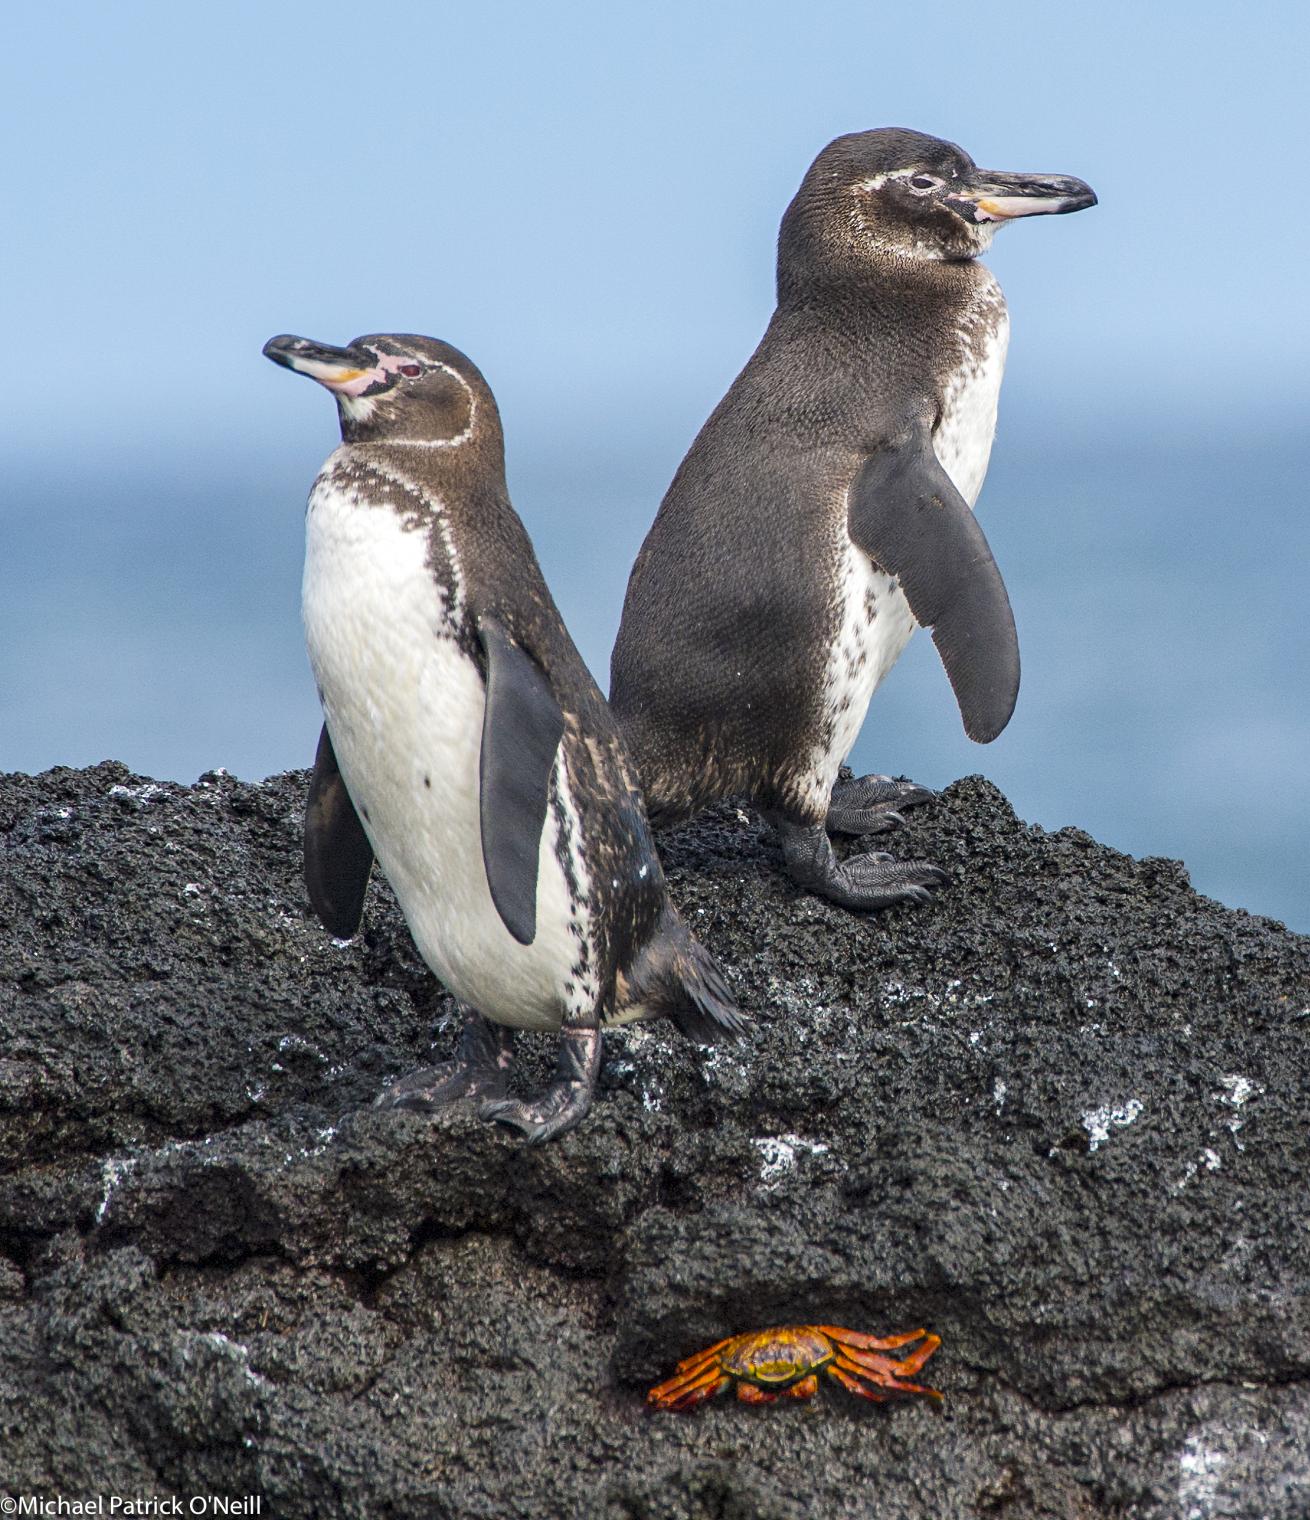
x=873 y=274
x=474 y=451
x=883 y=286
x=472 y=474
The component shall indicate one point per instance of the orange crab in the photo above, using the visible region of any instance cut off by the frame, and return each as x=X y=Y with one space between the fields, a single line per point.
x=785 y=1362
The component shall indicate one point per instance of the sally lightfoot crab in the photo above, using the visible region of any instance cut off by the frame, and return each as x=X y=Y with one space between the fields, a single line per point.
x=784 y=1363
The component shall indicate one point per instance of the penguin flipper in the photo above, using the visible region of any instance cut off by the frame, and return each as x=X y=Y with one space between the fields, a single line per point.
x=521 y=730
x=910 y=520
x=338 y=856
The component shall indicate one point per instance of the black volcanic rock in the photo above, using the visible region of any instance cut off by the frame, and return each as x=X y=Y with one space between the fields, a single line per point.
x=1059 y=1115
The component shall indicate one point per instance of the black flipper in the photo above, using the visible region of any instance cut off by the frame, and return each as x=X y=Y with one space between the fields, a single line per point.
x=521 y=731
x=912 y=522
x=338 y=856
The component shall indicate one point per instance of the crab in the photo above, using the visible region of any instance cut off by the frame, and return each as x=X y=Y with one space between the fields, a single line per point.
x=784 y=1363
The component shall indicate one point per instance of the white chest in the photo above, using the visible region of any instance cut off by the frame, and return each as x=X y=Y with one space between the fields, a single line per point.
x=963 y=440
x=404 y=706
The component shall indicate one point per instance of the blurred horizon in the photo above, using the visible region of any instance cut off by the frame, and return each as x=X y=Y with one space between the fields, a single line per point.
x=586 y=201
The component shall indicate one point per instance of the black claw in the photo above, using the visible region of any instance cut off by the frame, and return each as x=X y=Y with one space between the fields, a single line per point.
x=552 y=1114
x=480 y=1069
x=566 y=1101
x=428 y=1088
x=871 y=804
x=868 y=881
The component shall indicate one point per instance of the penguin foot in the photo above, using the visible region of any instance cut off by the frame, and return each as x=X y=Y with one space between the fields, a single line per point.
x=566 y=1101
x=867 y=881
x=872 y=804
x=876 y=880
x=480 y=1070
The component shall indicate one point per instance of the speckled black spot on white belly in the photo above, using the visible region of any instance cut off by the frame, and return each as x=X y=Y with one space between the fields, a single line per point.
x=873 y=623
x=581 y=989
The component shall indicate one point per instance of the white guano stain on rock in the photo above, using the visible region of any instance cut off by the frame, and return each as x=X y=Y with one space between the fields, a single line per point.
x=1235 y=1092
x=112 y=1172
x=1099 y=1122
x=778 y=1155
x=146 y=792
x=233 y=1351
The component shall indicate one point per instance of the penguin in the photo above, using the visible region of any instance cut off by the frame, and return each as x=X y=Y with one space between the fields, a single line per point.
x=825 y=510
x=466 y=748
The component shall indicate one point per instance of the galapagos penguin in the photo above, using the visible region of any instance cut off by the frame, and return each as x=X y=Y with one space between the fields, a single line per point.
x=825 y=509
x=466 y=747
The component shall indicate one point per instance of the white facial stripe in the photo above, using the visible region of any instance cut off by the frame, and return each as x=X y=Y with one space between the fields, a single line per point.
x=467 y=432
x=877 y=181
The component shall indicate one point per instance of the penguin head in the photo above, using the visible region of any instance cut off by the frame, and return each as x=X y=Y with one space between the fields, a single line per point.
x=897 y=194
x=395 y=387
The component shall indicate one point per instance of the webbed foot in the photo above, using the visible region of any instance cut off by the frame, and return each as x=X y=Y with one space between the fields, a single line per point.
x=479 y=1070
x=566 y=1101
x=872 y=804
x=864 y=882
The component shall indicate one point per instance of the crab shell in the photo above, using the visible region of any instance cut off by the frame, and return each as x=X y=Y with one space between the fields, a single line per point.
x=785 y=1362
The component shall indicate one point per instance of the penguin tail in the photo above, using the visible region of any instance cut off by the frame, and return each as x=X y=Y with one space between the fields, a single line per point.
x=677 y=978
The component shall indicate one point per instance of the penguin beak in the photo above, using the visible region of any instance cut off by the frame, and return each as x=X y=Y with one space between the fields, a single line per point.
x=992 y=196
x=339 y=369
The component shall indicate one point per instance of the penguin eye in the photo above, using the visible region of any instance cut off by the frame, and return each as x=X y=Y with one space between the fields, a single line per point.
x=923 y=182
x=412 y=370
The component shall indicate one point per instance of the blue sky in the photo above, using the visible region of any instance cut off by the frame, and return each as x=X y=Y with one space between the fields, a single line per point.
x=585 y=197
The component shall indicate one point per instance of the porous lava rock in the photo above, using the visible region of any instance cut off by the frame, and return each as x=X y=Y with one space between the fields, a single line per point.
x=1059 y=1115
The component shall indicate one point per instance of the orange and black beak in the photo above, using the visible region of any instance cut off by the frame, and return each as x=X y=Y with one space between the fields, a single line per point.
x=338 y=369
x=990 y=195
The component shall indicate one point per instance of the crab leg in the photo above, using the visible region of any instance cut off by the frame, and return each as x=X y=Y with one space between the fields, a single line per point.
x=702 y=1358
x=748 y=1393
x=881 y=1368
x=856 y=1386
x=687 y=1389
x=863 y=1342
x=876 y=1370
x=860 y=1348
x=805 y=1389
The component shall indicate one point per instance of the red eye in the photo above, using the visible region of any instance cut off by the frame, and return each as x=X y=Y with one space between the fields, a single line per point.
x=412 y=370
